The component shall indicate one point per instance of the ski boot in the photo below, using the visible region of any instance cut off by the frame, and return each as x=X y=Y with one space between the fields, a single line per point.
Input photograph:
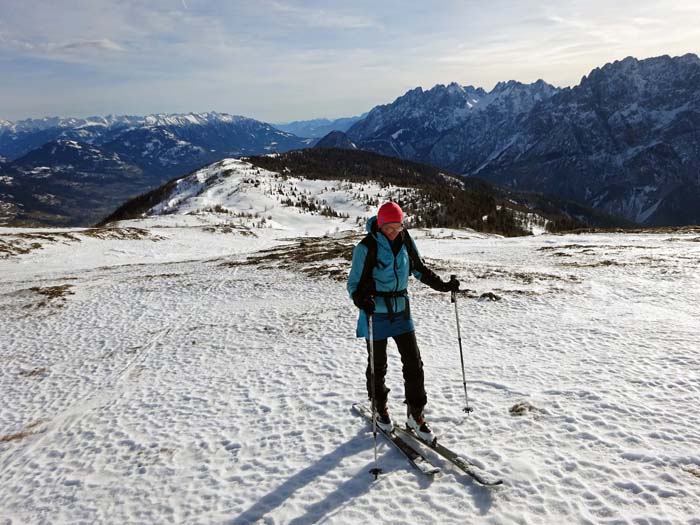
x=417 y=424
x=384 y=420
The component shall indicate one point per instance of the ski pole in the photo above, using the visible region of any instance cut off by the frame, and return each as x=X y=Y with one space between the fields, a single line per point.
x=467 y=408
x=376 y=470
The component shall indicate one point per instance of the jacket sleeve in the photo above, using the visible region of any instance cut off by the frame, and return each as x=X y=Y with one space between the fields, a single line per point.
x=359 y=254
x=425 y=274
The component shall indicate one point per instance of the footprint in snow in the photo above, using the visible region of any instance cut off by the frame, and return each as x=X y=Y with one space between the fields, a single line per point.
x=233 y=448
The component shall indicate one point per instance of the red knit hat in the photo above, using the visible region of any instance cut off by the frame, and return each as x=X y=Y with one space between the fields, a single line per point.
x=389 y=212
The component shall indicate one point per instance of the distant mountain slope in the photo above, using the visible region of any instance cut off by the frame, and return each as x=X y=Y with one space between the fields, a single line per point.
x=343 y=184
x=74 y=171
x=318 y=128
x=626 y=140
x=336 y=139
x=21 y=137
x=67 y=183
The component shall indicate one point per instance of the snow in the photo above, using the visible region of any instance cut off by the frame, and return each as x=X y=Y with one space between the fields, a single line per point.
x=200 y=372
x=250 y=195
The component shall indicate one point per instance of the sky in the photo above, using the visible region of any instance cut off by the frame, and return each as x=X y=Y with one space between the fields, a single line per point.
x=284 y=60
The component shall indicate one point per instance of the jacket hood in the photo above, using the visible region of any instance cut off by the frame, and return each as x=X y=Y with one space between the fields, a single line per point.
x=371 y=225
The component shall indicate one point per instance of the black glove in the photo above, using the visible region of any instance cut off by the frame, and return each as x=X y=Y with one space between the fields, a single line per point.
x=364 y=302
x=452 y=285
x=448 y=286
x=432 y=280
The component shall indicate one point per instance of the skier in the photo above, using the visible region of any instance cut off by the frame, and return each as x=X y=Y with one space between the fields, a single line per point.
x=381 y=263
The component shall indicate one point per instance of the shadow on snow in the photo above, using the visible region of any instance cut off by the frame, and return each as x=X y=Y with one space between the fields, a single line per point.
x=344 y=493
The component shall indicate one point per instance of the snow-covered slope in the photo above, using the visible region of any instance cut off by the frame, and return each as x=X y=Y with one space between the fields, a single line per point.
x=235 y=192
x=195 y=372
x=39 y=124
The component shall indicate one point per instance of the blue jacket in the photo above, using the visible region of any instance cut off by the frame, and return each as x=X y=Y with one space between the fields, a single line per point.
x=390 y=274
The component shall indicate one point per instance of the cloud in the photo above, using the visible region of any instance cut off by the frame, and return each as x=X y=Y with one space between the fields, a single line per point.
x=325 y=18
x=85 y=51
x=103 y=44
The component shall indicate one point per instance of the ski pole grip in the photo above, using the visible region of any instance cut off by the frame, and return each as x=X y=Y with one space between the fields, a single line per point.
x=453 y=295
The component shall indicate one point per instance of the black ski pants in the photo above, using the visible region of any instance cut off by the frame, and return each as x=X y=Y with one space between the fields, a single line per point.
x=414 y=387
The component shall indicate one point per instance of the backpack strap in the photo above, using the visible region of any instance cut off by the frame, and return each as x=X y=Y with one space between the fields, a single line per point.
x=366 y=284
x=371 y=260
x=415 y=262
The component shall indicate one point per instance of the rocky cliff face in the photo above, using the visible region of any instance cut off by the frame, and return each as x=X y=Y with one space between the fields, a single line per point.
x=626 y=140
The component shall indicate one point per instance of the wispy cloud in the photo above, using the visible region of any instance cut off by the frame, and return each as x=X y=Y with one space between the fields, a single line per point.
x=79 y=50
x=323 y=17
x=103 y=44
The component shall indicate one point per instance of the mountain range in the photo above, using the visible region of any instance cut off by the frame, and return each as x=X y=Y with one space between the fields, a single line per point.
x=626 y=140
x=73 y=172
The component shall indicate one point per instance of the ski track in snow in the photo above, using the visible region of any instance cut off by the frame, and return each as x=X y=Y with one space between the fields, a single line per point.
x=195 y=392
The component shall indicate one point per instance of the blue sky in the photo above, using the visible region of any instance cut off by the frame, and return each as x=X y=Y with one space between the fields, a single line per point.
x=282 y=60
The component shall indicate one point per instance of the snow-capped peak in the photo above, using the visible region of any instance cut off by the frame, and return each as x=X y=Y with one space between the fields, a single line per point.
x=190 y=119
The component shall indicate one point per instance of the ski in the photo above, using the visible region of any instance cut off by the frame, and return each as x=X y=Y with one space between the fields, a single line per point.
x=477 y=474
x=412 y=454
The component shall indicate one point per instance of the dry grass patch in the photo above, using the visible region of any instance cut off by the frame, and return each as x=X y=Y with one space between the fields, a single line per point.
x=35 y=372
x=314 y=256
x=53 y=292
x=129 y=234
x=22 y=243
x=522 y=408
x=522 y=276
x=12 y=247
x=53 y=295
x=694 y=471
x=230 y=229
x=598 y=264
x=150 y=277
x=29 y=430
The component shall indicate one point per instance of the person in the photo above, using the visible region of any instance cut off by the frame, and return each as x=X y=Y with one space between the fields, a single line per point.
x=377 y=283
